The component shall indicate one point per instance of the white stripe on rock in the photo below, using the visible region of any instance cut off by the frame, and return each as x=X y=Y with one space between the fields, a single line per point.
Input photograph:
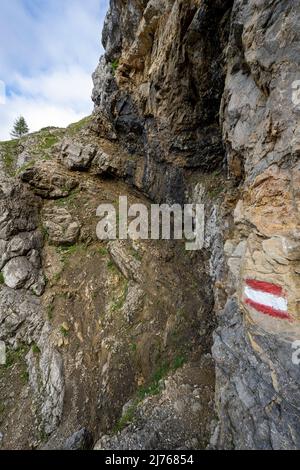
x=278 y=303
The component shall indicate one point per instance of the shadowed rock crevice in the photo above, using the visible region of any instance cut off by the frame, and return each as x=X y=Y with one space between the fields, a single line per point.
x=162 y=99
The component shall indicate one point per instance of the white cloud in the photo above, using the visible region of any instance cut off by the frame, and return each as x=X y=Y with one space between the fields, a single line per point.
x=38 y=112
x=48 y=51
x=56 y=99
x=60 y=86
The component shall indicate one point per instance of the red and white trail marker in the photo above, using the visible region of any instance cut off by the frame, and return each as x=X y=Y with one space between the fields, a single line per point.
x=266 y=298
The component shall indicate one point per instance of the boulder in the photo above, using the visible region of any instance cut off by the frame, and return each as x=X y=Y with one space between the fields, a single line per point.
x=76 y=156
x=62 y=229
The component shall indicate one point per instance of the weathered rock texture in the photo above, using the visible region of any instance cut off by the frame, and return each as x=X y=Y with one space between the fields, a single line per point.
x=257 y=382
x=160 y=102
x=109 y=344
x=192 y=87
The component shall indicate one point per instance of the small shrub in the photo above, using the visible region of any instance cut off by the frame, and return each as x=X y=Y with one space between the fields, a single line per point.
x=14 y=356
x=50 y=310
x=78 y=126
x=133 y=347
x=103 y=251
x=64 y=331
x=119 y=303
x=111 y=265
x=25 y=376
x=114 y=65
x=127 y=418
x=35 y=349
x=45 y=232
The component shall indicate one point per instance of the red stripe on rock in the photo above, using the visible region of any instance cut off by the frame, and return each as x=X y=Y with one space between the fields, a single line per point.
x=268 y=310
x=265 y=286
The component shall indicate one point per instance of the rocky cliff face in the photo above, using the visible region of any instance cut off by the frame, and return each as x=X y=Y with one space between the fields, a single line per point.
x=204 y=86
x=142 y=345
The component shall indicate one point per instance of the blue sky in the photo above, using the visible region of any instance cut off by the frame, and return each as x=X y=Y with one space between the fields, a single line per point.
x=48 y=51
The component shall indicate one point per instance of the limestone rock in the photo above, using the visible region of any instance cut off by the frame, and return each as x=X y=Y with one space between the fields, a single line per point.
x=134 y=301
x=62 y=229
x=153 y=90
x=110 y=164
x=48 y=181
x=80 y=440
x=21 y=316
x=76 y=156
x=19 y=209
x=24 y=158
x=46 y=379
x=20 y=245
x=167 y=421
x=125 y=261
x=17 y=272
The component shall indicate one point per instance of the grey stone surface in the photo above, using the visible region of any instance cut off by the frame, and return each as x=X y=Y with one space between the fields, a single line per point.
x=80 y=440
x=23 y=159
x=17 y=272
x=21 y=316
x=170 y=420
x=46 y=379
x=61 y=228
x=48 y=181
x=76 y=156
x=253 y=412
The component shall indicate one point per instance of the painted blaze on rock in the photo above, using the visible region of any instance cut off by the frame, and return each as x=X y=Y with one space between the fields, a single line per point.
x=266 y=298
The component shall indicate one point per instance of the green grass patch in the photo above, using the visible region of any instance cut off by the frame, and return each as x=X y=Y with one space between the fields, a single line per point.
x=68 y=200
x=1 y=278
x=136 y=255
x=154 y=388
x=8 y=152
x=66 y=251
x=14 y=356
x=50 y=312
x=111 y=266
x=114 y=65
x=127 y=418
x=103 y=251
x=25 y=376
x=178 y=362
x=78 y=126
x=45 y=232
x=64 y=331
x=48 y=142
x=56 y=278
x=133 y=347
x=35 y=349
x=120 y=301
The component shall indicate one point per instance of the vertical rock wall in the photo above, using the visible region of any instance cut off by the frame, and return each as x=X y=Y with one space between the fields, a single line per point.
x=257 y=381
x=194 y=88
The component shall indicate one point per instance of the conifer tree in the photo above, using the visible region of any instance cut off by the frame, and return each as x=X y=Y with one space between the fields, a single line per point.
x=20 y=128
